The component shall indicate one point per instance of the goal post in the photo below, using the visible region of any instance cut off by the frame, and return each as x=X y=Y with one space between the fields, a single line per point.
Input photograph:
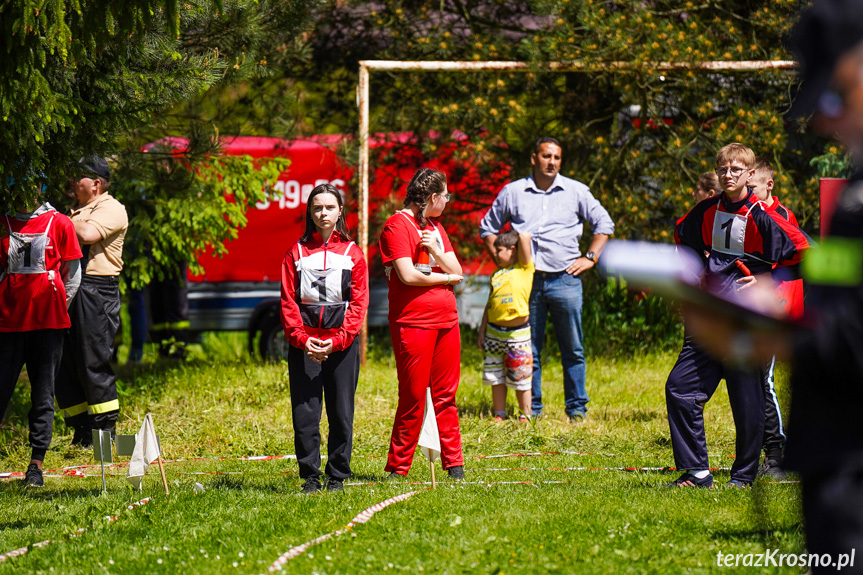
x=364 y=91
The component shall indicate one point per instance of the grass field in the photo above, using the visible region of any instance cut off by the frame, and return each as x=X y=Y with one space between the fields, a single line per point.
x=564 y=506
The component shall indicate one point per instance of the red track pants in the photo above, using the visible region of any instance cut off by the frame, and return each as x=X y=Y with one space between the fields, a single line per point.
x=425 y=357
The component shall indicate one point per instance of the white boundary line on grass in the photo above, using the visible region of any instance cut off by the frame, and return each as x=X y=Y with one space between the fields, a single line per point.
x=23 y=550
x=362 y=517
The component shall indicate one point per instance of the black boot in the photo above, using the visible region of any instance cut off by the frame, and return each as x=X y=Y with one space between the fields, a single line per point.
x=83 y=437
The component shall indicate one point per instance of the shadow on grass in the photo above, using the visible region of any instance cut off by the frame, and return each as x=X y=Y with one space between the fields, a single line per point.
x=234 y=483
x=636 y=414
x=47 y=493
x=775 y=534
x=368 y=478
x=479 y=409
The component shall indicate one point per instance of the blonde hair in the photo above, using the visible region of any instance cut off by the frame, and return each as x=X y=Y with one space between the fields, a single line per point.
x=763 y=166
x=735 y=152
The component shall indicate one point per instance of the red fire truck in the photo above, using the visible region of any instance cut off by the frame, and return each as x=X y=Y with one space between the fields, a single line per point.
x=240 y=292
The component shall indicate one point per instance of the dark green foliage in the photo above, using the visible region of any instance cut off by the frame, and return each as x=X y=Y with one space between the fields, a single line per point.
x=833 y=163
x=618 y=322
x=77 y=74
x=185 y=203
x=638 y=137
x=81 y=77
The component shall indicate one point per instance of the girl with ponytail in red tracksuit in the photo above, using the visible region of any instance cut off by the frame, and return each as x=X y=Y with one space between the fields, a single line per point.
x=325 y=296
x=421 y=269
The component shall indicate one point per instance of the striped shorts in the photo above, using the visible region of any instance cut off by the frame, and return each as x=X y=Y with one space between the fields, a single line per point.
x=508 y=357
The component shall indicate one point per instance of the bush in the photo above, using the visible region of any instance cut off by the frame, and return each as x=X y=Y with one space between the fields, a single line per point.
x=618 y=322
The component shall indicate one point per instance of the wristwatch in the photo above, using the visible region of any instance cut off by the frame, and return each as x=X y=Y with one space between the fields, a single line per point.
x=591 y=256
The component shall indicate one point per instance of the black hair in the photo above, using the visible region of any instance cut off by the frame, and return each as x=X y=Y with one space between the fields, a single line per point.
x=506 y=239
x=311 y=228
x=546 y=140
x=425 y=183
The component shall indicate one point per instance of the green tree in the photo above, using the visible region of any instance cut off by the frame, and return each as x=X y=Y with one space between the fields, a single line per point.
x=637 y=136
x=90 y=76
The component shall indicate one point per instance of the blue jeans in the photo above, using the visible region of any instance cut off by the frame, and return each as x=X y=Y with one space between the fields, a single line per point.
x=560 y=294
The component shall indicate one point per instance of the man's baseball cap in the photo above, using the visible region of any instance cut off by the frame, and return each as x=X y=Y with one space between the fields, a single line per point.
x=825 y=31
x=95 y=165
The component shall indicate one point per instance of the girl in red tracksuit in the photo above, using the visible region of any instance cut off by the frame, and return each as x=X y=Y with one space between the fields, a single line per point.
x=325 y=296
x=423 y=321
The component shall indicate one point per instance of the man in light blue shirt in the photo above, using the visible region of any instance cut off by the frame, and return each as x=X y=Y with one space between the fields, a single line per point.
x=553 y=209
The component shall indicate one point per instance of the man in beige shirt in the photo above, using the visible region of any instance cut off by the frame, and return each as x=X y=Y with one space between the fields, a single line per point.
x=86 y=385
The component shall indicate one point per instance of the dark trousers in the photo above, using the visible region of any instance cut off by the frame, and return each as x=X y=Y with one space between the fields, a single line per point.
x=40 y=351
x=691 y=383
x=774 y=430
x=833 y=513
x=137 y=306
x=334 y=380
x=86 y=384
x=169 y=308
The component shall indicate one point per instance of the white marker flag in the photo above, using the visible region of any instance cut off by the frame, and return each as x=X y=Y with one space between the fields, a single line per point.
x=146 y=451
x=429 y=437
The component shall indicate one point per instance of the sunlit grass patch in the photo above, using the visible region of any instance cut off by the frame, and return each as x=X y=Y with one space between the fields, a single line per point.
x=564 y=498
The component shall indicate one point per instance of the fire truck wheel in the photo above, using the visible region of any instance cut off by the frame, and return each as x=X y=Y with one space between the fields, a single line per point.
x=273 y=345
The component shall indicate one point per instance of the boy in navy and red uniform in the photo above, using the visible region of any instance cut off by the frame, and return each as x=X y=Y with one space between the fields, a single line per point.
x=789 y=290
x=39 y=275
x=726 y=229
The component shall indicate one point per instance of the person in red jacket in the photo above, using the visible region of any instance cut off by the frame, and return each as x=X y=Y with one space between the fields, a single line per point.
x=421 y=269
x=325 y=296
x=789 y=291
x=733 y=233
x=39 y=275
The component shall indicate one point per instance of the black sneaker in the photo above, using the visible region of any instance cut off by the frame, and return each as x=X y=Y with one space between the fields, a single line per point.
x=393 y=476
x=689 y=480
x=456 y=473
x=33 y=477
x=83 y=437
x=335 y=484
x=311 y=485
x=738 y=484
x=772 y=470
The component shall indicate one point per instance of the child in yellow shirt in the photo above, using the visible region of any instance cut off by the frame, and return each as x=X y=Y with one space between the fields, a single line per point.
x=504 y=334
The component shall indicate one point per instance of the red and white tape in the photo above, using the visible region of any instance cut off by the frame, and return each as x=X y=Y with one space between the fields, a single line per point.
x=362 y=517
x=79 y=470
x=23 y=550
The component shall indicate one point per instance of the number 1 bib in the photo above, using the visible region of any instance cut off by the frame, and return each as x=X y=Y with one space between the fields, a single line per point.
x=27 y=251
x=729 y=233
